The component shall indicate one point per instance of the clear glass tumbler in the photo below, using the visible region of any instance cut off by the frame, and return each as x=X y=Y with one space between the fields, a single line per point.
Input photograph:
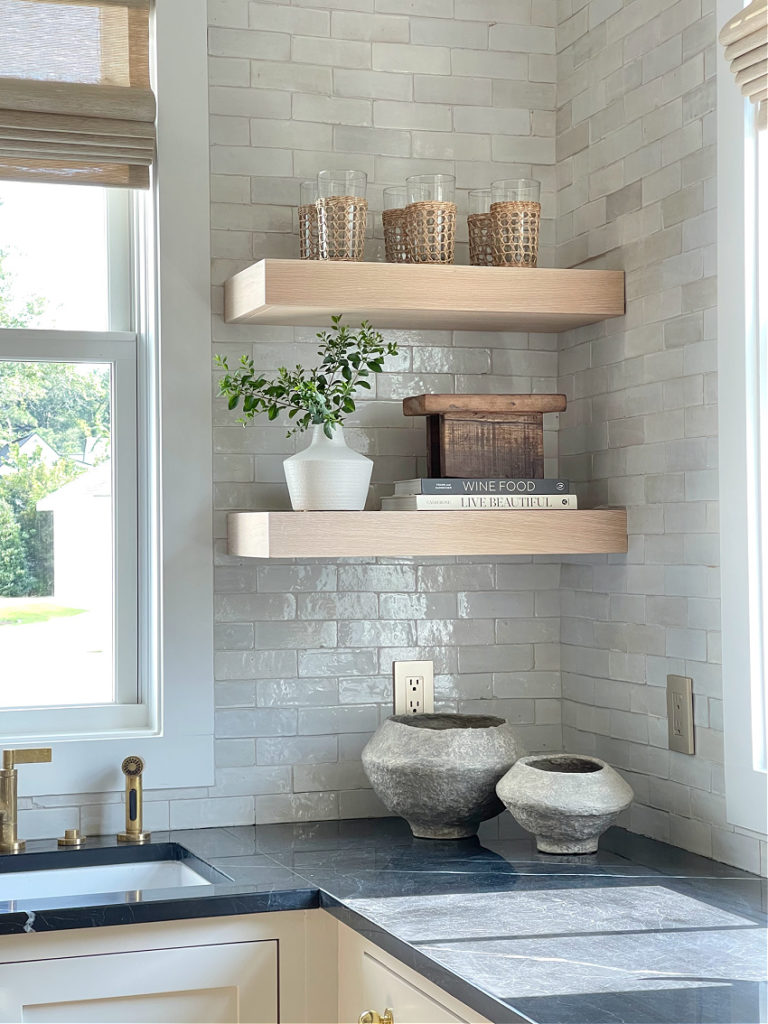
x=436 y=188
x=342 y=211
x=479 y=228
x=308 y=248
x=393 y=220
x=430 y=218
x=515 y=222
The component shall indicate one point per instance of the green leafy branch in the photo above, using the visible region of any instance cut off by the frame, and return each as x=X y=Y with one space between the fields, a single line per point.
x=323 y=395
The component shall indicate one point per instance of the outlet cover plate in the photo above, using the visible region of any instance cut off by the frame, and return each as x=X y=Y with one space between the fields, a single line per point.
x=413 y=686
x=680 y=713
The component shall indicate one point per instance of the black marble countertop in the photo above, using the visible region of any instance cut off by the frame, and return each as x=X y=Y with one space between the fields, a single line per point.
x=639 y=933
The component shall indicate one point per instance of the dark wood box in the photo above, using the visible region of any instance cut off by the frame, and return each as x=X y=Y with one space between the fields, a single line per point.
x=484 y=435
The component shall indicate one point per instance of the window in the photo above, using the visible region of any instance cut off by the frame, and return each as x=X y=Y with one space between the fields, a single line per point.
x=743 y=403
x=125 y=379
x=68 y=458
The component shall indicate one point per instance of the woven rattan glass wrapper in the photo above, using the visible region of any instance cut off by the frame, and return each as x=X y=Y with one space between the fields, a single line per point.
x=430 y=228
x=341 y=228
x=515 y=233
x=308 y=247
x=480 y=240
x=395 y=242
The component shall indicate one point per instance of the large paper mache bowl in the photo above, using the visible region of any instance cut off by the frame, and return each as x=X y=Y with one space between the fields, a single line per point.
x=566 y=800
x=439 y=771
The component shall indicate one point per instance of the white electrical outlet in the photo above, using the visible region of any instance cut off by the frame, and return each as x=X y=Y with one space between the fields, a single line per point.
x=414 y=687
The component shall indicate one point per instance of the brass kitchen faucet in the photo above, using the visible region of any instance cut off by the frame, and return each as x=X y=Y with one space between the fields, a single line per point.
x=9 y=794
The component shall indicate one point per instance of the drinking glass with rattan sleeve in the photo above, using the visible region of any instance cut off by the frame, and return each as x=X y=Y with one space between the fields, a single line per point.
x=430 y=218
x=393 y=220
x=342 y=211
x=479 y=228
x=308 y=221
x=515 y=220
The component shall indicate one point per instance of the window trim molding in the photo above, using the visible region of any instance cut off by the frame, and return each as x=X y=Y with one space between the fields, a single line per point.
x=745 y=785
x=176 y=498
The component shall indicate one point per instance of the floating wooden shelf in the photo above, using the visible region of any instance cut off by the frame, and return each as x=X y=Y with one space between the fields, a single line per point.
x=388 y=534
x=297 y=292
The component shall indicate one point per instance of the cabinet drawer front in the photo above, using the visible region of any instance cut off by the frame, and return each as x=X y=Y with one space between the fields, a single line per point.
x=371 y=979
x=409 y=1004
x=234 y=982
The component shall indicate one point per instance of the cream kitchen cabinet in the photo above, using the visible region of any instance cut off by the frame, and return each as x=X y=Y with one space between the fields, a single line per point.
x=288 y=967
x=229 y=981
x=372 y=980
x=250 y=969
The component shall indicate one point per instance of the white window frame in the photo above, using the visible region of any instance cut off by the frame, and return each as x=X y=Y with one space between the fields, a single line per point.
x=118 y=349
x=173 y=723
x=741 y=388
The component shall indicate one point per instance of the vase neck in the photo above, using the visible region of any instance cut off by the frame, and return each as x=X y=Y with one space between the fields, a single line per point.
x=319 y=435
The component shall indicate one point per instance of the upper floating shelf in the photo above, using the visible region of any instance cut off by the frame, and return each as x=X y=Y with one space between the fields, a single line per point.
x=419 y=297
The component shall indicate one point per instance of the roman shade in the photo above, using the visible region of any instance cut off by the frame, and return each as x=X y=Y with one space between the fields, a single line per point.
x=75 y=99
x=745 y=38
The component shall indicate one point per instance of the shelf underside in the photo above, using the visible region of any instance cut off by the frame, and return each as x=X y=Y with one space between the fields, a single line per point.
x=419 y=297
x=392 y=534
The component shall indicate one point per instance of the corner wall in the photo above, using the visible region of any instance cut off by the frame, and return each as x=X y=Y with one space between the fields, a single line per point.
x=636 y=152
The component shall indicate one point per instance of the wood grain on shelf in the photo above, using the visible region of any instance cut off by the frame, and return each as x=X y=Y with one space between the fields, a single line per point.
x=495 y=532
x=420 y=297
x=429 y=405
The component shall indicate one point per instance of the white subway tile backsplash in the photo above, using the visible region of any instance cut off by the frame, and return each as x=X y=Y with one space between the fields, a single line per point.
x=341 y=53
x=292 y=20
x=619 y=129
x=407 y=57
x=488 y=64
x=370 y=28
x=236 y=42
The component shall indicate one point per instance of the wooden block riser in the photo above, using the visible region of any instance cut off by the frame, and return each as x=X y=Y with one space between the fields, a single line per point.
x=511 y=447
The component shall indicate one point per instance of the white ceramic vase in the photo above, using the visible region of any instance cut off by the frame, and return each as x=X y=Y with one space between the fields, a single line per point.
x=328 y=475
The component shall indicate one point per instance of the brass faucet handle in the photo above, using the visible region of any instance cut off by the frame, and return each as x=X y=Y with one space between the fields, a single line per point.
x=28 y=755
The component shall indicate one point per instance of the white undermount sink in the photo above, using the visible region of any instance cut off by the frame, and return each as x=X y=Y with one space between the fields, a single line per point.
x=97 y=878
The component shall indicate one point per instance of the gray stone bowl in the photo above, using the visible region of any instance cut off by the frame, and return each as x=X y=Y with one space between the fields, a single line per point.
x=439 y=772
x=566 y=800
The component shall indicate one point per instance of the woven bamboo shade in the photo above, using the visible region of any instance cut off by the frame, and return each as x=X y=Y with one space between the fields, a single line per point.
x=341 y=228
x=395 y=242
x=75 y=98
x=480 y=239
x=515 y=233
x=745 y=38
x=430 y=228
x=308 y=245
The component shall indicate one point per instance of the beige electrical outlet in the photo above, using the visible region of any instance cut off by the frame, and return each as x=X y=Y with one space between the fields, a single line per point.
x=680 y=713
x=414 y=687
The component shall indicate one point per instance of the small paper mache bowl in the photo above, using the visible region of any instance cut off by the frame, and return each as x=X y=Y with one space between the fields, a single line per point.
x=566 y=800
x=439 y=771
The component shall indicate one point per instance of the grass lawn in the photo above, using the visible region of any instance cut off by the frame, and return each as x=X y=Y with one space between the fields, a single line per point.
x=18 y=613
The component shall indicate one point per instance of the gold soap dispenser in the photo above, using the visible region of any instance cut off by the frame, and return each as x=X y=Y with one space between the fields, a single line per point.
x=132 y=767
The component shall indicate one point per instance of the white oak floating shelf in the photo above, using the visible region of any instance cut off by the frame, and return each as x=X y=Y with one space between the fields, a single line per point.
x=419 y=297
x=388 y=534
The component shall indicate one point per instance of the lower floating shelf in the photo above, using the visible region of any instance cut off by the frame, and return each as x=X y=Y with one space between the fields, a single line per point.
x=393 y=534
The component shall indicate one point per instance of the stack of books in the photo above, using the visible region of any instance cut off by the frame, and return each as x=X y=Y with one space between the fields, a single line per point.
x=428 y=493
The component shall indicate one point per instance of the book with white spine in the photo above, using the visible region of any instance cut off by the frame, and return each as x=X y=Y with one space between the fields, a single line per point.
x=447 y=502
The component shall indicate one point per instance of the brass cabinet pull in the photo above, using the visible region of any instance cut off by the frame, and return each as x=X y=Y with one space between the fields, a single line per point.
x=371 y=1017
